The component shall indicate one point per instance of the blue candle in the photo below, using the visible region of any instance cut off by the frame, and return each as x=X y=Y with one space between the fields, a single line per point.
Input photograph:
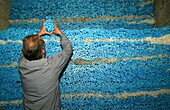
x=49 y=25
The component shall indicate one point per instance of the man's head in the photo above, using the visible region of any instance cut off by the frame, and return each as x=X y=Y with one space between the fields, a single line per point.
x=33 y=47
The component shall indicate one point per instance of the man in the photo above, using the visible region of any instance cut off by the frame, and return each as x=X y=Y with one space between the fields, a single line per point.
x=40 y=75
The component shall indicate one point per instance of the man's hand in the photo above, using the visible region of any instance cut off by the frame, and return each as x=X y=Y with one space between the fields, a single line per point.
x=56 y=29
x=43 y=30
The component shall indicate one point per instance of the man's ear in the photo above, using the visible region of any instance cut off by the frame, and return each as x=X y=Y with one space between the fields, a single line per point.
x=43 y=51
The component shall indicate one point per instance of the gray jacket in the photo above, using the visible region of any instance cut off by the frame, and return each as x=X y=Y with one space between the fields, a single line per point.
x=40 y=78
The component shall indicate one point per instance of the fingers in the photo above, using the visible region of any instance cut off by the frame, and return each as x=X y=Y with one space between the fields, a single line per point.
x=43 y=30
x=54 y=21
x=55 y=24
x=43 y=22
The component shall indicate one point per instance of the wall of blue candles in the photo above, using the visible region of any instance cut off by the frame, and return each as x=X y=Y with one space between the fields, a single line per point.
x=120 y=61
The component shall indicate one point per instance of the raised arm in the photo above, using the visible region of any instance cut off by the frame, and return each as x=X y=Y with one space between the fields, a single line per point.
x=64 y=42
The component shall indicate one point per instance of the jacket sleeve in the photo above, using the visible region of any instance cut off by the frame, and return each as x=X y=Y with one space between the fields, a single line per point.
x=60 y=60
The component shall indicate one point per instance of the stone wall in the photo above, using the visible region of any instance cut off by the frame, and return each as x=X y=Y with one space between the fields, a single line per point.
x=5 y=6
x=162 y=13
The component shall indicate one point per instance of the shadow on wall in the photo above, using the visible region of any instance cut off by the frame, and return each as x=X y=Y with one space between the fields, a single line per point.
x=162 y=13
x=5 y=6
